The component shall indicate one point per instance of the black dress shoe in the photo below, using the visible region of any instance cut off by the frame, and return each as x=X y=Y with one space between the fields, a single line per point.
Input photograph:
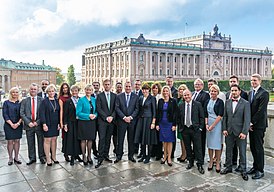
x=17 y=161
x=78 y=158
x=226 y=171
x=238 y=169
x=108 y=160
x=251 y=171
x=146 y=161
x=116 y=160
x=71 y=161
x=132 y=160
x=258 y=175
x=66 y=158
x=189 y=166
x=244 y=176
x=201 y=169
x=98 y=164
x=141 y=160
x=42 y=161
x=140 y=155
x=31 y=162
x=85 y=163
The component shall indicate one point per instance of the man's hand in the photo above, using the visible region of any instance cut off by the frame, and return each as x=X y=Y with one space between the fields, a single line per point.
x=225 y=133
x=242 y=136
x=109 y=119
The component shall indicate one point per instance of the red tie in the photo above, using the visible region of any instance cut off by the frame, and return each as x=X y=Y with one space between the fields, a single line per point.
x=33 y=110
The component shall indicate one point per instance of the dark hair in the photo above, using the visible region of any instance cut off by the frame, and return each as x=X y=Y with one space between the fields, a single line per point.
x=146 y=86
x=61 y=93
x=213 y=80
x=235 y=85
x=96 y=82
x=157 y=84
x=118 y=83
x=234 y=76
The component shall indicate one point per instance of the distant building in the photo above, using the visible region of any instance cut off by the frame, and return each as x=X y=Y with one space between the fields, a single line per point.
x=202 y=56
x=23 y=74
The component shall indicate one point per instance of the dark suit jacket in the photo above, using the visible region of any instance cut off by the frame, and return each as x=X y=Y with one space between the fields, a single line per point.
x=197 y=116
x=25 y=111
x=239 y=121
x=243 y=95
x=149 y=107
x=102 y=107
x=202 y=97
x=121 y=108
x=174 y=92
x=140 y=93
x=218 y=108
x=40 y=95
x=171 y=111
x=259 y=108
x=69 y=111
x=46 y=113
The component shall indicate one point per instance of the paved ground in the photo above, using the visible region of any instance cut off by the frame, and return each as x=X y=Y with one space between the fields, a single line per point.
x=124 y=176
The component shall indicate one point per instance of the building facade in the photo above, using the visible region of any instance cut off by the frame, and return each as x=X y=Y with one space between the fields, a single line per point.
x=202 y=56
x=23 y=74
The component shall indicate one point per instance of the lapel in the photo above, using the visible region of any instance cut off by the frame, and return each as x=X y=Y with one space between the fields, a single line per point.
x=192 y=109
x=183 y=110
x=238 y=105
x=39 y=99
x=199 y=96
x=148 y=97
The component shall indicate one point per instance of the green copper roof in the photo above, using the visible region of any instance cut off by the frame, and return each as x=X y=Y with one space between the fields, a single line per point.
x=24 y=66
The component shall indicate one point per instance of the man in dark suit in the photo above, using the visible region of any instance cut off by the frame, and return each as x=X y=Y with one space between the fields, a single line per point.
x=191 y=122
x=29 y=112
x=174 y=92
x=233 y=80
x=235 y=126
x=127 y=108
x=201 y=96
x=105 y=104
x=96 y=88
x=44 y=85
x=258 y=99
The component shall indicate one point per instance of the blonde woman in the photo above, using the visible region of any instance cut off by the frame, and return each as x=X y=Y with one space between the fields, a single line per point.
x=50 y=118
x=166 y=122
x=12 y=126
x=180 y=99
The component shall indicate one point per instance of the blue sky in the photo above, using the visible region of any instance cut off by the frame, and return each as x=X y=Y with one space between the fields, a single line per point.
x=57 y=31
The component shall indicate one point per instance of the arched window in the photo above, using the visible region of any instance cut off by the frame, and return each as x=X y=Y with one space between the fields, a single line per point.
x=215 y=73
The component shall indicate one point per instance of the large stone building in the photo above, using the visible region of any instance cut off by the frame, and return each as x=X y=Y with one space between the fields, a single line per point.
x=202 y=56
x=23 y=74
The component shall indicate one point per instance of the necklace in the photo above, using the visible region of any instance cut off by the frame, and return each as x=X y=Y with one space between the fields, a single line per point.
x=53 y=107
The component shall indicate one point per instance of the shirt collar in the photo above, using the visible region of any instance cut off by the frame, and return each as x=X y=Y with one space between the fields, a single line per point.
x=257 y=88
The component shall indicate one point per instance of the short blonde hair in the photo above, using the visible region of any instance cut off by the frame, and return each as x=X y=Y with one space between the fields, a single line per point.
x=183 y=87
x=258 y=76
x=169 y=90
x=75 y=87
x=11 y=90
x=89 y=86
x=200 y=80
x=216 y=87
x=49 y=87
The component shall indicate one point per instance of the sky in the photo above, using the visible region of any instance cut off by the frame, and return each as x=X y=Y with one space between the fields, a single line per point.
x=58 y=31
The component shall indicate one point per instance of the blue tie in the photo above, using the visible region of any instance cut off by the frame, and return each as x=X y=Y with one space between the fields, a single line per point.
x=127 y=101
x=252 y=95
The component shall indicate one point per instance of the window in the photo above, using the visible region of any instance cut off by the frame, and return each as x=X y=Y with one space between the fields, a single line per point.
x=161 y=73
x=207 y=60
x=160 y=58
x=182 y=60
x=168 y=72
x=127 y=57
x=167 y=58
x=141 y=57
x=215 y=73
x=182 y=72
x=175 y=72
x=175 y=59
x=153 y=73
x=142 y=72
x=152 y=58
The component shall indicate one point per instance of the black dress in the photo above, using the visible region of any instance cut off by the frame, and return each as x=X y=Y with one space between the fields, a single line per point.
x=11 y=111
x=144 y=134
x=50 y=115
x=71 y=142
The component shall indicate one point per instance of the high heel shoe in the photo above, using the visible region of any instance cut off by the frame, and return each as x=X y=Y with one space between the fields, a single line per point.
x=90 y=161
x=54 y=161
x=218 y=170
x=169 y=164
x=49 y=164
x=163 y=161
x=17 y=161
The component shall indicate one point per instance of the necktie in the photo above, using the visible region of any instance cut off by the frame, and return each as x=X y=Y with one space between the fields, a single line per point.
x=188 y=115
x=194 y=98
x=108 y=100
x=45 y=95
x=127 y=100
x=252 y=96
x=236 y=100
x=33 y=110
x=136 y=92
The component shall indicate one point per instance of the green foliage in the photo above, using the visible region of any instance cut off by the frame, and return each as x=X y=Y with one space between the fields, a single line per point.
x=71 y=76
x=59 y=77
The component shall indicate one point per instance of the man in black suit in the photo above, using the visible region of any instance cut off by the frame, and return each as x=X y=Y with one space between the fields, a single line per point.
x=235 y=126
x=233 y=80
x=201 y=96
x=174 y=92
x=127 y=108
x=191 y=122
x=258 y=99
x=29 y=112
x=105 y=104
x=44 y=85
x=96 y=88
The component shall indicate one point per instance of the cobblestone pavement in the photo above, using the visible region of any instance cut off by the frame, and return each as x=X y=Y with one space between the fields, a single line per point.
x=123 y=176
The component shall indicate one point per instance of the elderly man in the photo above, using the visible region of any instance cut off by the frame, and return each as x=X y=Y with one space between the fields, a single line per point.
x=29 y=113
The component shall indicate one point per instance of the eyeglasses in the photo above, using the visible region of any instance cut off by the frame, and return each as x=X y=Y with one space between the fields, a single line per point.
x=45 y=84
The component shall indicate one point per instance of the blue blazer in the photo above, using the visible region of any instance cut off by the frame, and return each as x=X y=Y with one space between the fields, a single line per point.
x=83 y=108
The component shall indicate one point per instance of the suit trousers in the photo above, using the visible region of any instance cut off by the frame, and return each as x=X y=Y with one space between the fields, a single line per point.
x=30 y=133
x=256 y=138
x=231 y=140
x=203 y=142
x=122 y=130
x=105 y=131
x=193 y=136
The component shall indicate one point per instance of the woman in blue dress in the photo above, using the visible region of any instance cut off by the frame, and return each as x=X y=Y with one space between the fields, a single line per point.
x=214 y=110
x=166 y=122
x=50 y=118
x=13 y=127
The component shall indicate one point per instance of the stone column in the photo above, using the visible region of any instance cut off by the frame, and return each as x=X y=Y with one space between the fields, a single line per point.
x=146 y=66
x=136 y=64
x=8 y=81
x=158 y=64
x=3 y=82
x=194 y=64
x=165 y=66
x=186 y=65
x=125 y=58
x=151 y=65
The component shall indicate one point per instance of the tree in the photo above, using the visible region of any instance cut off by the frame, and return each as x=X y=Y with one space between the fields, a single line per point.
x=59 y=77
x=71 y=75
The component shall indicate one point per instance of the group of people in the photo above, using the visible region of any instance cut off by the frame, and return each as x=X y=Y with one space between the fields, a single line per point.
x=151 y=117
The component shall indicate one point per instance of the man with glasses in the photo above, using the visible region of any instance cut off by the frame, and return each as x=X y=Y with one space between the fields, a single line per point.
x=96 y=88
